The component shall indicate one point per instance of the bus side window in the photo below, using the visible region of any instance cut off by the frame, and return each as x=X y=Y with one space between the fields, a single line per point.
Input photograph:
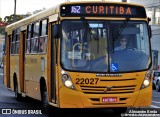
x=29 y=35
x=34 y=39
x=17 y=36
x=41 y=44
x=43 y=36
x=13 y=42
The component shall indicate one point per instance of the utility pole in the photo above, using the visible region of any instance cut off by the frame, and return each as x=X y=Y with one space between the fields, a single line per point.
x=153 y=15
x=0 y=7
x=15 y=10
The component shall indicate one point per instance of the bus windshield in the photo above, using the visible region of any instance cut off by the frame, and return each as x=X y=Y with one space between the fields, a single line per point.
x=92 y=46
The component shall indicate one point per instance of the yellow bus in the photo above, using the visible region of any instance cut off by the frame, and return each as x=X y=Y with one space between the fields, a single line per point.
x=66 y=56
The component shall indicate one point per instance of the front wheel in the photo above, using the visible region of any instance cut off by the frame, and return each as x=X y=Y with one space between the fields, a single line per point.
x=45 y=101
x=17 y=95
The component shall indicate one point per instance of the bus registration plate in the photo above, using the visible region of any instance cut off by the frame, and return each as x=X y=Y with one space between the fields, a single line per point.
x=109 y=99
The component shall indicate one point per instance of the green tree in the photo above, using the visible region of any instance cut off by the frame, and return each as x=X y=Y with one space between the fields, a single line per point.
x=11 y=19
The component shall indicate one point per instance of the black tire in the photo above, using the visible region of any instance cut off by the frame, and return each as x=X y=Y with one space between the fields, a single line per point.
x=157 y=86
x=45 y=102
x=119 y=110
x=17 y=95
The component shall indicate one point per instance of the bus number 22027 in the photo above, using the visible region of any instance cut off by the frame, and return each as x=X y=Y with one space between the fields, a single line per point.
x=87 y=81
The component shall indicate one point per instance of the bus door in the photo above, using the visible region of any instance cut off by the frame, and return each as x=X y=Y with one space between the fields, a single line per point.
x=53 y=66
x=22 y=60
x=7 y=62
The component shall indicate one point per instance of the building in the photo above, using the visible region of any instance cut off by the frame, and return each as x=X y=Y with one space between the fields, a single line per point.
x=153 y=11
x=152 y=8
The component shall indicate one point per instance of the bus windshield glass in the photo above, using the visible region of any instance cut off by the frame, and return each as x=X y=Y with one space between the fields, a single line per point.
x=89 y=45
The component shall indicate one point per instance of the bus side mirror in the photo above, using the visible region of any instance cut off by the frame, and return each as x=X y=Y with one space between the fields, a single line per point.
x=150 y=31
x=56 y=31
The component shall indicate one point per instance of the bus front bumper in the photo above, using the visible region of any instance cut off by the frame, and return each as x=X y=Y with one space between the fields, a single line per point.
x=69 y=98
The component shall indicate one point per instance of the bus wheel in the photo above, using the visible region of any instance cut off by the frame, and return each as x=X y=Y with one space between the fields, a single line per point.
x=45 y=102
x=157 y=86
x=119 y=110
x=17 y=95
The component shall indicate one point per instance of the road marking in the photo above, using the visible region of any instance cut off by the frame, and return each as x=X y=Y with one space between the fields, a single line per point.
x=1 y=74
x=155 y=106
x=156 y=102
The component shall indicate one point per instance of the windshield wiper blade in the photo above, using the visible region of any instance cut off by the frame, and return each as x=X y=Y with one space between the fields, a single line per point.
x=86 y=25
x=121 y=29
x=119 y=32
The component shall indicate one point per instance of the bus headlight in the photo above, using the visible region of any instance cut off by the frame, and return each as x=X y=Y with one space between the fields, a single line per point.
x=67 y=81
x=147 y=80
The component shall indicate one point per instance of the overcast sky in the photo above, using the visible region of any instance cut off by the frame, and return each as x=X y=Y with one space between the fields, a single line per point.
x=24 y=6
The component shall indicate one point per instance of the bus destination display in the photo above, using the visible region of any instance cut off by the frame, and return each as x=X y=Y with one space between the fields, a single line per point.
x=103 y=10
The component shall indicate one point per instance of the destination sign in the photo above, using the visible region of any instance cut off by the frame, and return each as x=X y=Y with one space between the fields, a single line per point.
x=110 y=10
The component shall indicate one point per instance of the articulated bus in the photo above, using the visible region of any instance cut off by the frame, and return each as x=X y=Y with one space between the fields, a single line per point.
x=66 y=57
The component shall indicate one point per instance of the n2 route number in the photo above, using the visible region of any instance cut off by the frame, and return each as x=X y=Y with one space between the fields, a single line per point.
x=87 y=81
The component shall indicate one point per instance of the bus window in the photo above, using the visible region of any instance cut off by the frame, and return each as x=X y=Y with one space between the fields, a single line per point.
x=34 y=39
x=44 y=27
x=81 y=47
x=92 y=41
x=36 y=30
x=34 y=45
x=17 y=41
x=13 y=42
x=41 y=44
x=136 y=53
x=142 y=39
x=29 y=35
x=43 y=36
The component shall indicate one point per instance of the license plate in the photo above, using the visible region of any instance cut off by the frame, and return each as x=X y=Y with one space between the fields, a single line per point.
x=109 y=99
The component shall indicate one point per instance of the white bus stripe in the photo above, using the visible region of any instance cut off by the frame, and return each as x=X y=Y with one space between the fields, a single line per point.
x=152 y=106
x=156 y=102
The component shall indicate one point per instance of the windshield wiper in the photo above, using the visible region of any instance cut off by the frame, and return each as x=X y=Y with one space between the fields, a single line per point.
x=91 y=32
x=121 y=29
x=86 y=25
x=119 y=32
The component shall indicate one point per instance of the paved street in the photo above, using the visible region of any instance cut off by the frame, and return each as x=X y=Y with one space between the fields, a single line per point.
x=155 y=100
x=7 y=100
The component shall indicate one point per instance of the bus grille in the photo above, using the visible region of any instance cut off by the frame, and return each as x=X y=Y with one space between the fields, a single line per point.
x=108 y=90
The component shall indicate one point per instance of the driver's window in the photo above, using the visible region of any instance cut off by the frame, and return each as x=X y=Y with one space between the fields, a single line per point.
x=142 y=39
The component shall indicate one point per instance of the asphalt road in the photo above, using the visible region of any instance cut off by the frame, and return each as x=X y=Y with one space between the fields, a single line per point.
x=8 y=101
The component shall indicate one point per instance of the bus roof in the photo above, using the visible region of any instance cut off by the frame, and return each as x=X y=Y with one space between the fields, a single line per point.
x=35 y=17
x=55 y=9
